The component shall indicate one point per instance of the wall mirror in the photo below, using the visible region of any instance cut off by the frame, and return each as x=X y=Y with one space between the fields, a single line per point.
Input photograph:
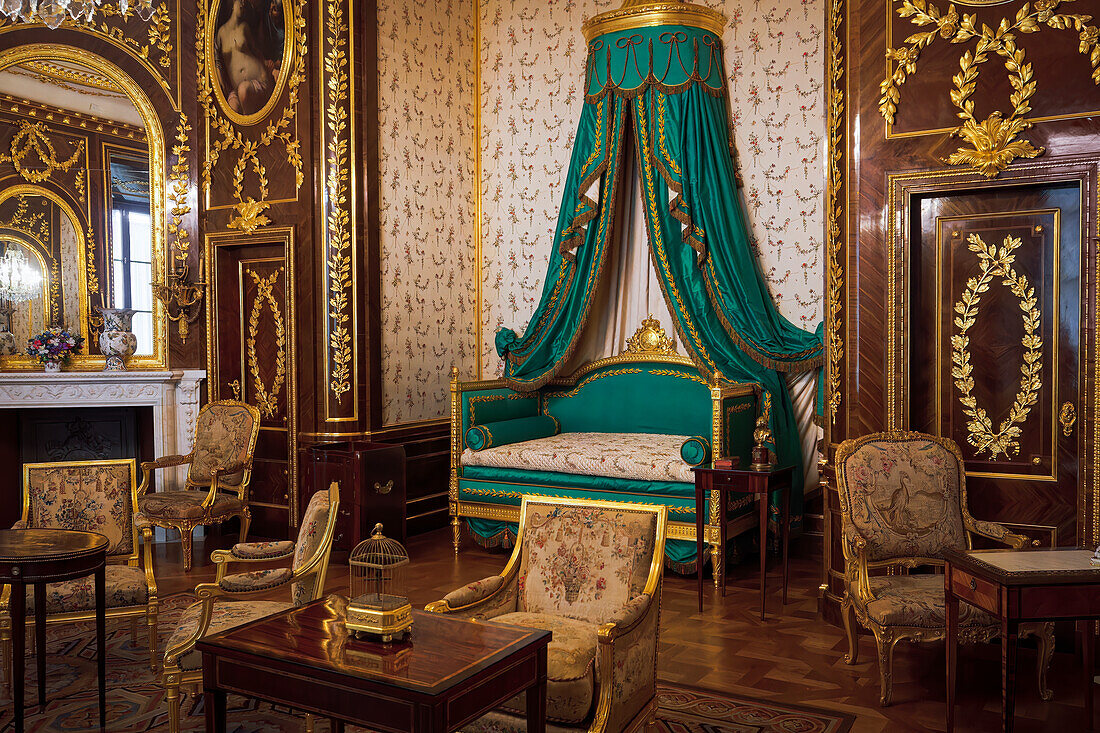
x=82 y=225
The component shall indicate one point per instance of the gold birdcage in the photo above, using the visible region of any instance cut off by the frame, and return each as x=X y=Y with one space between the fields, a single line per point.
x=379 y=604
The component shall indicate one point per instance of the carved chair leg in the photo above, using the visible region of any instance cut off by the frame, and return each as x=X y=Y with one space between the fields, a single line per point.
x=151 y=620
x=849 y=613
x=246 y=522
x=456 y=534
x=187 y=537
x=885 y=645
x=172 y=699
x=1045 y=633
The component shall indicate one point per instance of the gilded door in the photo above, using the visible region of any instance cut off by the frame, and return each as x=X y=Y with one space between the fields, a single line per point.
x=995 y=345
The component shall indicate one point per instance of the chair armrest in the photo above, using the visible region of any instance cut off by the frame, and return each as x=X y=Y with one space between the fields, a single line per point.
x=215 y=480
x=248 y=553
x=1000 y=533
x=255 y=580
x=854 y=546
x=21 y=524
x=484 y=599
x=147 y=468
x=627 y=661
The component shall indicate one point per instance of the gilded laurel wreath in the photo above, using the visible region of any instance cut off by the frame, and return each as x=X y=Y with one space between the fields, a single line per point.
x=267 y=400
x=997 y=263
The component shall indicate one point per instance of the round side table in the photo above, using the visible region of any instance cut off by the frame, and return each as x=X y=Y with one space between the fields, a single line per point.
x=37 y=557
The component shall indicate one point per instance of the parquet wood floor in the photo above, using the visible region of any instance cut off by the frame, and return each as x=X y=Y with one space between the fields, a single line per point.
x=792 y=657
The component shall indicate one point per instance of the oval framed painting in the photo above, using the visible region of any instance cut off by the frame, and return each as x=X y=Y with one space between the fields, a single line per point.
x=249 y=53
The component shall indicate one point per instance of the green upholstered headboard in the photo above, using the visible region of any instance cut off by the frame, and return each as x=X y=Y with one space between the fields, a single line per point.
x=633 y=397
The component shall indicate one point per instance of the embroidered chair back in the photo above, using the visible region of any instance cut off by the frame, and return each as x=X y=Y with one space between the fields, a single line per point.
x=225 y=434
x=315 y=534
x=90 y=496
x=904 y=493
x=585 y=560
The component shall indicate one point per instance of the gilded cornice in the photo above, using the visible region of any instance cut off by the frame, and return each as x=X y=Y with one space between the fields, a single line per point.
x=635 y=14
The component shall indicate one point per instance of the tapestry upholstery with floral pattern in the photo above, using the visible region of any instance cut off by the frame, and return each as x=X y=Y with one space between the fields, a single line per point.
x=92 y=498
x=223 y=437
x=904 y=498
x=584 y=562
x=310 y=533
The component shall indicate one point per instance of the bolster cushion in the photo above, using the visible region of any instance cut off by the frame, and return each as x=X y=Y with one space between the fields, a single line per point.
x=494 y=434
x=695 y=451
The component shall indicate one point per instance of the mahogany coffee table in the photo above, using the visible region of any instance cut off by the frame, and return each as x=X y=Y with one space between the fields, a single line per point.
x=450 y=673
x=36 y=557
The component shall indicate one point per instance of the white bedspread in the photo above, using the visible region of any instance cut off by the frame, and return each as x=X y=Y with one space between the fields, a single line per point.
x=638 y=456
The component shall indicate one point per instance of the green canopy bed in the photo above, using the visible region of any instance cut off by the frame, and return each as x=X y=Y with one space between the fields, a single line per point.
x=656 y=96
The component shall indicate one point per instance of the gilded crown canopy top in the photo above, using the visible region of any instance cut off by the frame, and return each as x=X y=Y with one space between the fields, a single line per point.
x=647 y=13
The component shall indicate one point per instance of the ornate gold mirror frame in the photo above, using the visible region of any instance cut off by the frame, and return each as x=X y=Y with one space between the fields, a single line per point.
x=158 y=360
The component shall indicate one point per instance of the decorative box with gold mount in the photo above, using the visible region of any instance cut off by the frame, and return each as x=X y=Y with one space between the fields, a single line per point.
x=378 y=606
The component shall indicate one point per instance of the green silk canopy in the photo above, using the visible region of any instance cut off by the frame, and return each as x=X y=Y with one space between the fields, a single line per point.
x=655 y=78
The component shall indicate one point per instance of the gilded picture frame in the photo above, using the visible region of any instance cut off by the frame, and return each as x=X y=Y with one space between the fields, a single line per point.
x=248 y=77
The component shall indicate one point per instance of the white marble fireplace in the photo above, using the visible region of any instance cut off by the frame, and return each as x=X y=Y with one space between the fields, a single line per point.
x=173 y=397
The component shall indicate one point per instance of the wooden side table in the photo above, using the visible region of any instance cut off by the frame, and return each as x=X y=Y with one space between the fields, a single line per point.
x=1020 y=586
x=451 y=672
x=742 y=481
x=38 y=557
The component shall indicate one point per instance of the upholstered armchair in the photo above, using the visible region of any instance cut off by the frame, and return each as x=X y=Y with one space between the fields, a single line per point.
x=220 y=606
x=219 y=470
x=92 y=496
x=590 y=572
x=903 y=503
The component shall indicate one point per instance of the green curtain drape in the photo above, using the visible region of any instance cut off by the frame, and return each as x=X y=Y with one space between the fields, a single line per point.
x=668 y=82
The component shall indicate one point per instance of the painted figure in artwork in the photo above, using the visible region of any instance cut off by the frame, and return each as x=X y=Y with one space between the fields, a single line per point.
x=248 y=45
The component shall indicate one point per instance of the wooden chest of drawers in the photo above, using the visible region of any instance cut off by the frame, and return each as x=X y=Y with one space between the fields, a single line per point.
x=372 y=487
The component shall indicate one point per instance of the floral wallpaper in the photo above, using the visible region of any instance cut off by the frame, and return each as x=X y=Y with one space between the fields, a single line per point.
x=532 y=67
x=427 y=138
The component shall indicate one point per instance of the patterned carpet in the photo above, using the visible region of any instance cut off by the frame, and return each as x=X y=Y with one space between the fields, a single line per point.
x=135 y=699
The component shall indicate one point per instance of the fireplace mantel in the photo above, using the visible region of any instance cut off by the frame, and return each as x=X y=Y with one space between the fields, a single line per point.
x=173 y=395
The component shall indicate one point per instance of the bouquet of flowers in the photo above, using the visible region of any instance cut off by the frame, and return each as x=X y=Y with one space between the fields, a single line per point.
x=54 y=346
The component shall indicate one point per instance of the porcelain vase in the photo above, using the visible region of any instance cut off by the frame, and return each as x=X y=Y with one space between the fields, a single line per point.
x=53 y=367
x=117 y=342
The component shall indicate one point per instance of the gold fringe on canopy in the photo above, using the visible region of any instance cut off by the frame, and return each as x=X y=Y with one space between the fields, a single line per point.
x=646 y=13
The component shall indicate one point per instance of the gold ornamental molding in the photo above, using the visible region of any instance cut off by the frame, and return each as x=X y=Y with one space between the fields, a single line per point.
x=71 y=76
x=646 y=14
x=996 y=262
x=650 y=338
x=995 y=141
x=33 y=138
x=267 y=398
x=834 y=291
x=337 y=109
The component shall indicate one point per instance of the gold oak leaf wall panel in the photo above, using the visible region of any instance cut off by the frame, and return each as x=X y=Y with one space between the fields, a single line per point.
x=961 y=253
x=154 y=64
x=532 y=72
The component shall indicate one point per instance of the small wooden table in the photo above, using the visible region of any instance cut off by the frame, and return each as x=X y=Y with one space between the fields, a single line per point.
x=1020 y=586
x=37 y=557
x=452 y=671
x=742 y=481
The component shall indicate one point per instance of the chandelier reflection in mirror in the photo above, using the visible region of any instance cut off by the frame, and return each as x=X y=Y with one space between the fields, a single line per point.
x=18 y=280
x=53 y=12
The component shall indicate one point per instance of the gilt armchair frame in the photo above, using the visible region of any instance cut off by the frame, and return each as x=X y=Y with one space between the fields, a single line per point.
x=186 y=527
x=141 y=555
x=207 y=593
x=858 y=569
x=612 y=636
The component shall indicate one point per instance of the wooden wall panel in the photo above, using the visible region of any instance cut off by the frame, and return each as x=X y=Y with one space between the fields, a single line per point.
x=918 y=119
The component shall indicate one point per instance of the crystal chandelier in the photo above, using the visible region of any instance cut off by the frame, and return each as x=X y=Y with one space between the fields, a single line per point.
x=53 y=12
x=18 y=280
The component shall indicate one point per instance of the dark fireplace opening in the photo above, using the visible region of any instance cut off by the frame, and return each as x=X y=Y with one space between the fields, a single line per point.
x=45 y=435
